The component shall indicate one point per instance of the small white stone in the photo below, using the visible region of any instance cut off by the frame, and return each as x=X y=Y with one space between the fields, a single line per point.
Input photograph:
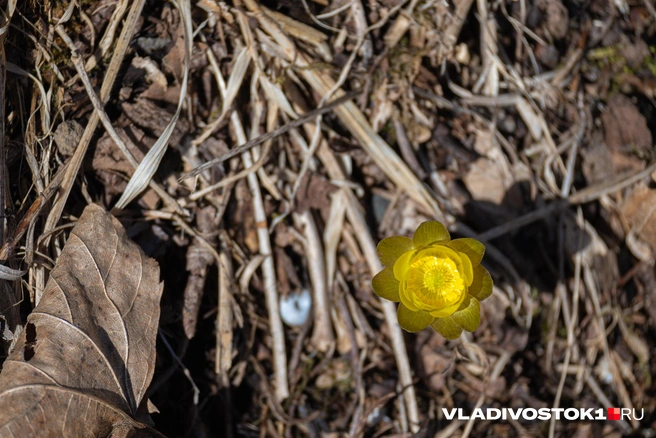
x=295 y=308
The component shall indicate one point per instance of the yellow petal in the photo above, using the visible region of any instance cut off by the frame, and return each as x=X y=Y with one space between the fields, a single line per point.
x=481 y=287
x=430 y=232
x=440 y=251
x=406 y=298
x=468 y=317
x=468 y=270
x=472 y=247
x=446 y=328
x=448 y=311
x=402 y=265
x=385 y=285
x=413 y=321
x=391 y=248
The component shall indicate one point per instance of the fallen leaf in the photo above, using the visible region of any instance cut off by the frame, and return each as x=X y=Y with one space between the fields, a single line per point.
x=147 y=115
x=639 y=209
x=486 y=181
x=434 y=367
x=625 y=129
x=597 y=162
x=112 y=166
x=86 y=357
x=67 y=136
x=557 y=18
x=199 y=258
x=314 y=192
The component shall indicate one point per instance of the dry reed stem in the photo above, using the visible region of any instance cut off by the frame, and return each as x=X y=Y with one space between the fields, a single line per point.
x=322 y=330
x=355 y=216
x=75 y=162
x=224 y=335
x=268 y=268
x=368 y=247
x=269 y=273
x=108 y=38
x=382 y=154
x=107 y=124
x=499 y=365
x=593 y=294
x=108 y=82
x=488 y=50
x=4 y=188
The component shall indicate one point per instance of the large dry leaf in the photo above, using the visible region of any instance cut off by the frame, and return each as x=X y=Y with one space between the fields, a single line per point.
x=83 y=363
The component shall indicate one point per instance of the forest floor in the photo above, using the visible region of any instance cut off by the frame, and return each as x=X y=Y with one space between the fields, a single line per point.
x=526 y=124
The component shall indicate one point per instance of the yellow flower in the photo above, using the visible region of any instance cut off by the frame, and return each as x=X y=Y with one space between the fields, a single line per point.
x=436 y=281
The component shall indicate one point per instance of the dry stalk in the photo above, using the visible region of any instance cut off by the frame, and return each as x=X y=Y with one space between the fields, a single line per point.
x=489 y=49
x=586 y=195
x=570 y=323
x=382 y=154
x=107 y=124
x=453 y=30
x=223 y=354
x=561 y=291
x=237 y=150
x=4 y=187
x=108 y=37
x=268 y=268
x=76 y=160
x=322 y=333
x=499 y=365
x=593 y=294
x=605 y=402
x=355 y=216
x=269 y=273
x=332 y=233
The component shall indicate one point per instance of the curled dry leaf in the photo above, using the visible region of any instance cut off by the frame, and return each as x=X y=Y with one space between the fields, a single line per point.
x=83 y=363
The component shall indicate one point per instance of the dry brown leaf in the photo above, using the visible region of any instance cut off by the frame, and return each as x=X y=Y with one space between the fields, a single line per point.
x=597 y=162
x=147 y=115
x=112 y=166
x=199 y=258
x=625 y=128
x=639 y=209
x=86 y=357
x=557 y=18
x=486 y=181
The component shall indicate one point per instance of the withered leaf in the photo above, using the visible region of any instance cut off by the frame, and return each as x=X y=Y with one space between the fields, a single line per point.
x=639 y=209
x=86 y=357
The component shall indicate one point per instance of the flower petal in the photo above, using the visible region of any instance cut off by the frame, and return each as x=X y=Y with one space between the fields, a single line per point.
x=447 y=328
x=481 y=287
x=406 y=298
x=467 y=269
x=448 y=311
x=430 y=232
x=386 y=285
x=413 y=321
x=402 y=264
x=391 y=248
x=472 y=247
x=468 y=317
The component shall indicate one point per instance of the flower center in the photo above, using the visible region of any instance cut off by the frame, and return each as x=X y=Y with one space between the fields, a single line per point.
x=436 y=281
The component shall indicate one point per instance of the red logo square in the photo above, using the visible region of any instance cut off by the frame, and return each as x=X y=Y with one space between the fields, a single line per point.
x=613 y=413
